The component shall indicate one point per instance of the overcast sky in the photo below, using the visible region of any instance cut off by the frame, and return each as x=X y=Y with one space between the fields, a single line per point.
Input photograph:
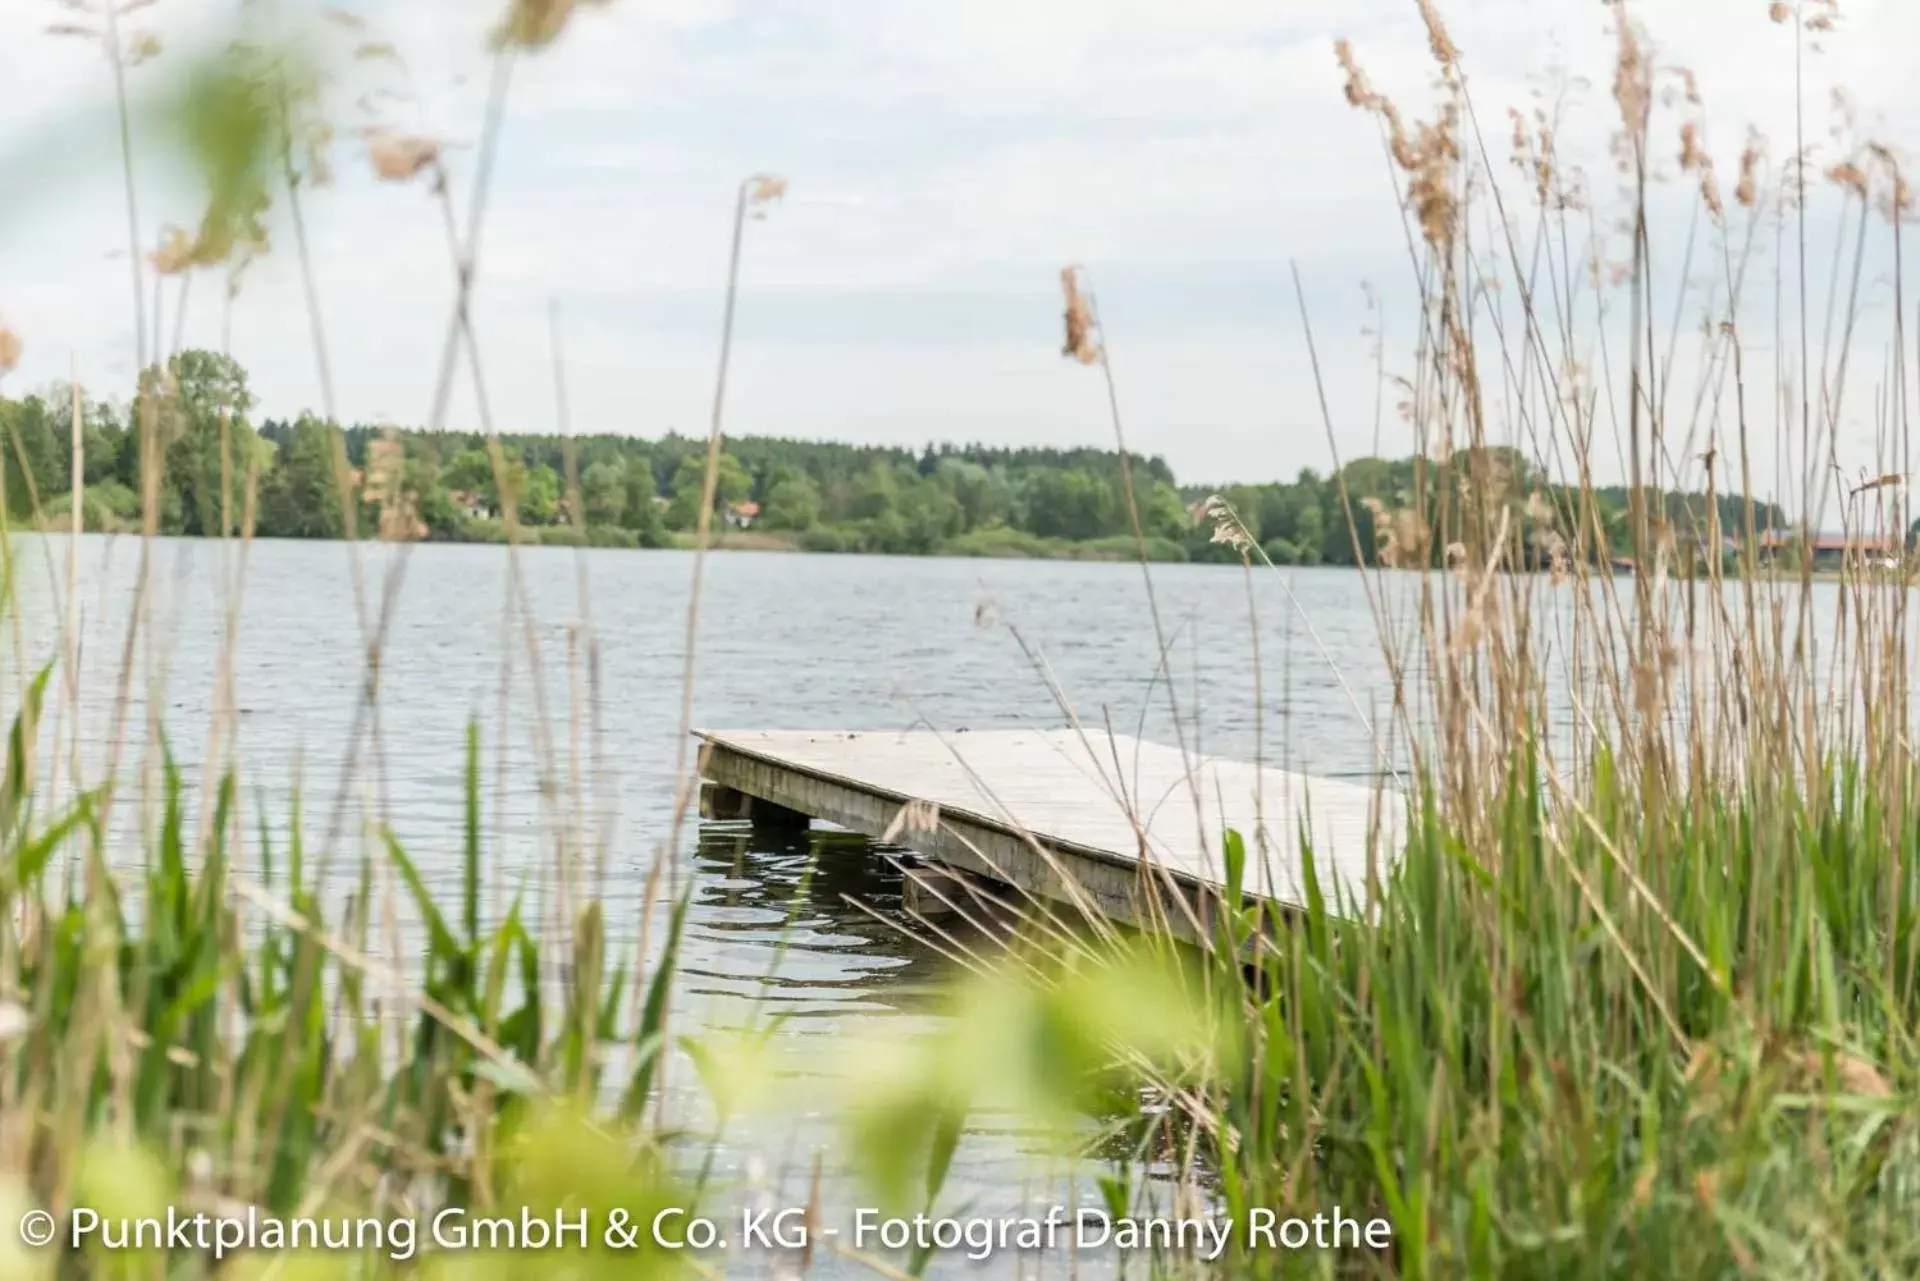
x=946 y=159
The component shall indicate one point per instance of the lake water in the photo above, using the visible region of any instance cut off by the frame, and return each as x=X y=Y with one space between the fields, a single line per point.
x=785 y=642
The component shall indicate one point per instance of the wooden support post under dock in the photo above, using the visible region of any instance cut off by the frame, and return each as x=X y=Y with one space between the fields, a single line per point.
x=718 y=801
x=936 y=892
x=1106 y=825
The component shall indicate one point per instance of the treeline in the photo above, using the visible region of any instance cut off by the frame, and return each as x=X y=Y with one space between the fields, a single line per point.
x=305 y=479
x=1413 y=512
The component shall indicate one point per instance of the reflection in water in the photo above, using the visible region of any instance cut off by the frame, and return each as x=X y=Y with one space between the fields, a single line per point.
x=807 y=924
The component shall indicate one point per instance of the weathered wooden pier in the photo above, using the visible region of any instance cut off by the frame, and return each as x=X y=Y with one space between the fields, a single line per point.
x=1091 y=822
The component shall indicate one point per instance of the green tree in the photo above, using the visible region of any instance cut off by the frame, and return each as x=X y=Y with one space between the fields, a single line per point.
x=1281 y=551
x=39 y=428
x=1310 y=530
x=928 y=516
x=731 y=481
x=534 y=492
x=199 y=407
x=433 y=504
x=643 y=513
x=1291 y=514
x=540 y=504
x=1070 y=503
x=984 y=496
x=1162 y=514
x=105 y=440
x=300 y=496
x=603 y=492
x=874 y=492
x=32 y=457
x=471 y=472
x=793 y=502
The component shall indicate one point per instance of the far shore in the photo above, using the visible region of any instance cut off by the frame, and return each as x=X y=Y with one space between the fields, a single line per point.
x=1118 y=550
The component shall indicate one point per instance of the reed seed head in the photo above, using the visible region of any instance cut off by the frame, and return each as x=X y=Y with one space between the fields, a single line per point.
x=1695 y=160
x=143 y=47
x=175 y=254
x=1632 y=78
x=383 y=484
x=400 y=157
x=1854 y=1075
x=1431 y=160
x=1692 y=157
x=1445 y=52
x=385 y=457
x=319 y=148
x=1748 y=192
x=236 y=227
x=1848 y=175
x=1430 y=151
x=1532 y=161
x=1079 y=320
x=1889 y=481
x=1560 y=564
x=1228 y=529
x=535 y=24
x=1896 y=203
x=400 y=519
x=1710 y=193
x=1481 y=615
x=1359 y=90
x=9 y=349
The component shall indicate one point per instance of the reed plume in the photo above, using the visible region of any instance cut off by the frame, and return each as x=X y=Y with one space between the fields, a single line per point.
x=1080 y=344
x=400 y=157
x=531 y=25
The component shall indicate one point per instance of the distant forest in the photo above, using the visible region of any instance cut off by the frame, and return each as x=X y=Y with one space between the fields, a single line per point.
x=310 y=480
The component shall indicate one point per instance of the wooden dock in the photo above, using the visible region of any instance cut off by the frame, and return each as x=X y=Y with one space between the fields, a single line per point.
x=1093 y=822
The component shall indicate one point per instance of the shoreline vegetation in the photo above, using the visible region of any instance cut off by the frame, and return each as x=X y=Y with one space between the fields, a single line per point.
x=770 y=494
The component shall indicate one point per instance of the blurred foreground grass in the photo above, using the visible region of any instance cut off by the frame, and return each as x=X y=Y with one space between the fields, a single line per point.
x=180 y=1031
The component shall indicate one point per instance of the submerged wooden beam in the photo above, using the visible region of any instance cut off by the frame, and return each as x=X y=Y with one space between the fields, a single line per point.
x=1104 y=825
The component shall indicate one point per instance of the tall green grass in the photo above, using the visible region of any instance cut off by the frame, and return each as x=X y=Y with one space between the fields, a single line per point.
x=192 y=1012
x=1639 y=1001
x=187 y=1028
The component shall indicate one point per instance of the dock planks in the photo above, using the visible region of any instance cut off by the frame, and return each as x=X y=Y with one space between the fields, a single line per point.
x=1111 y=815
